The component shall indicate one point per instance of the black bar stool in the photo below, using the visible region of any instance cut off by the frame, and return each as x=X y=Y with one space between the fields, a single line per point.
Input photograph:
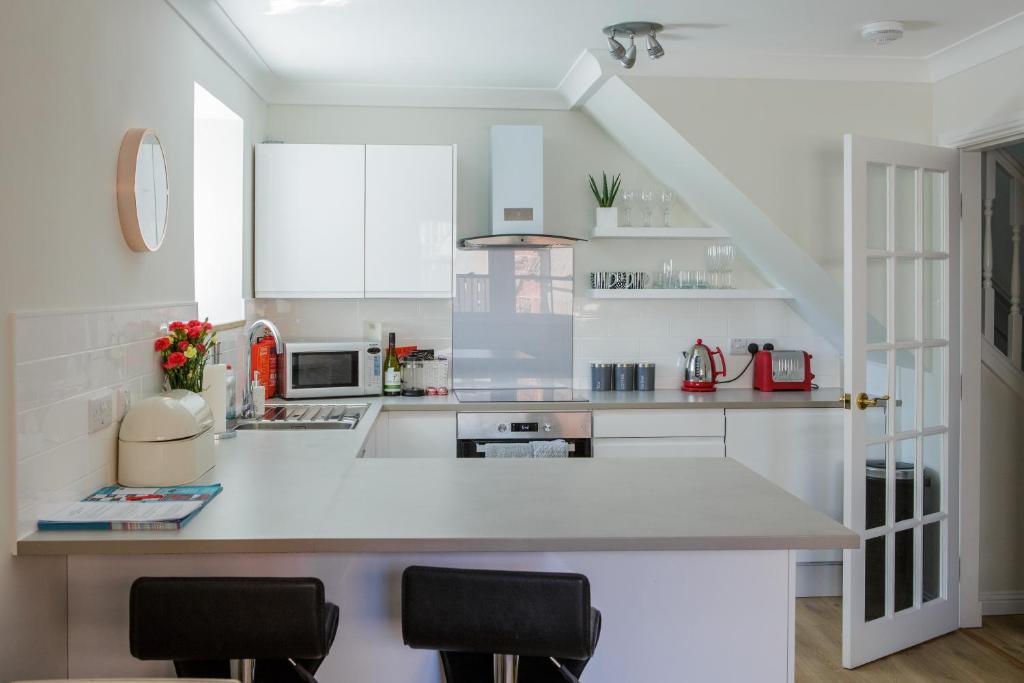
x=534 y=627
x=280 y=629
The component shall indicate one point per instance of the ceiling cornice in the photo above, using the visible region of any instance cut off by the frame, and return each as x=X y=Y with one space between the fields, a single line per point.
x=996 y=40
x=212 y=24
x=214 y=27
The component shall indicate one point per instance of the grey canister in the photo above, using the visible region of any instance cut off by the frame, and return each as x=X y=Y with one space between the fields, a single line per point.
x=602 y=376
x=625 y=376
x=645 y=376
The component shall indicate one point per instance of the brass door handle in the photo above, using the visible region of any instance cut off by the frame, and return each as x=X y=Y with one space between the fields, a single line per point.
x=864 y=401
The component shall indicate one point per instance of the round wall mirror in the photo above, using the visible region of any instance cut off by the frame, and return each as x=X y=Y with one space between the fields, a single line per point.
x=142 y=192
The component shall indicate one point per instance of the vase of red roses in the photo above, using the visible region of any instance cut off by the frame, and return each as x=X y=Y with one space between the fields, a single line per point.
x=183 y=352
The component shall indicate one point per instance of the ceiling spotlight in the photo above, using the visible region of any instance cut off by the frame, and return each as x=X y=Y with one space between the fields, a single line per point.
x=654 y=48
x=882 y=32
x=630 y=59
x=627 y=56
x=615 y=48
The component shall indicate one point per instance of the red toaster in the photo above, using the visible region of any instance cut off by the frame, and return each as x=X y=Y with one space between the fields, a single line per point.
x=782 y=370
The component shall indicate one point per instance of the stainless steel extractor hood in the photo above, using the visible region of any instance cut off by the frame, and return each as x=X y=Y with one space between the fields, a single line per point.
x=517 y=191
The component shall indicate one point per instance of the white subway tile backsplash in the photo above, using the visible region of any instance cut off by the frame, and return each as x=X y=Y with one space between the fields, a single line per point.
x=659 y=330
x=61 y=360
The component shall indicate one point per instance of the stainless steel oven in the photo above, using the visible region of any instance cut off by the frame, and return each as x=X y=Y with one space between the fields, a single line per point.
x=476 y=431
x=324 y=369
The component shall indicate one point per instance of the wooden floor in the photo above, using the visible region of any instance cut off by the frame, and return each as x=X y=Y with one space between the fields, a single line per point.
x=994 y=652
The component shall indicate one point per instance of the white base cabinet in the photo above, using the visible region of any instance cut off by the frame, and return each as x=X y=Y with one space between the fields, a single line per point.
x=415 y=434
x=659 y=434
x=660 y=447
x=800 y=450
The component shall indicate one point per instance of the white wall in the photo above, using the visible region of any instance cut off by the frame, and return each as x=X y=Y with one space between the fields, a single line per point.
x=76 y=75
x=988 y=94
x=781 y=141
x=1002 y=481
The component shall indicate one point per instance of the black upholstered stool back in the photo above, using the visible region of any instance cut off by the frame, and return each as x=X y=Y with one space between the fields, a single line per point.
x=217 y=619
x=527 y=614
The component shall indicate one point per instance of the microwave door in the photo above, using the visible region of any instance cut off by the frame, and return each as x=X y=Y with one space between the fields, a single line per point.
x=324 y=374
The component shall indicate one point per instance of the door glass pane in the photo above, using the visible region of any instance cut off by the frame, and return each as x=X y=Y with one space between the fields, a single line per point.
x=932 y=448
x=905 y=396
x=878 y=206
x=906 y=209
x=905 y=300
x=903 y=555
x=933 y=368
x=931 y=558
x=934 y=299
x=906 y=455
x=874 y=487
x=877 y=295
x=874 y=578
x=934 y=211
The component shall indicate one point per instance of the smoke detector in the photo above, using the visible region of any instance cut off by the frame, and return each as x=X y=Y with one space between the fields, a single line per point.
x=882 y=32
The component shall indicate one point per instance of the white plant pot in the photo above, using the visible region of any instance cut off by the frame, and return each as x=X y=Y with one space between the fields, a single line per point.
x=607 y=217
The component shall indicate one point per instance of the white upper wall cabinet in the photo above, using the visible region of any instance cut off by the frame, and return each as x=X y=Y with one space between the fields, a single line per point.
x=309 y=220
x=410 y=220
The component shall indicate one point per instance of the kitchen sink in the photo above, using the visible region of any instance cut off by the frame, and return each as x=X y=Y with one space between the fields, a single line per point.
x=307 y=416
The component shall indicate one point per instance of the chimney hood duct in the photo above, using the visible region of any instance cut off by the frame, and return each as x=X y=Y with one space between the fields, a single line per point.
x=517 y=191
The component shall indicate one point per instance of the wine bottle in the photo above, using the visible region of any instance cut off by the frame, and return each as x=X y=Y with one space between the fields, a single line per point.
x=392 y=370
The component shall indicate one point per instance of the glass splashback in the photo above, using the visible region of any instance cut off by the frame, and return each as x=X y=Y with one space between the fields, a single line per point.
x=512 y=320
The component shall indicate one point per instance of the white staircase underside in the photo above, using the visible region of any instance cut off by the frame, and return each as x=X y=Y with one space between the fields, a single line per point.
x=999 y=364
x=667 y=154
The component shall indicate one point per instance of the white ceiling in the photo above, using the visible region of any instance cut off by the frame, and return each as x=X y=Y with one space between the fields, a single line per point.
x=533 y=43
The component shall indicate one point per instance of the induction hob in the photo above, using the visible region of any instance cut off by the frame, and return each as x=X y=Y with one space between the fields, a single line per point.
x=520 y=396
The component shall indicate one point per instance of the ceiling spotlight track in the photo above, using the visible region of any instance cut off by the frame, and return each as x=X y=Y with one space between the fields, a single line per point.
x=627 y=56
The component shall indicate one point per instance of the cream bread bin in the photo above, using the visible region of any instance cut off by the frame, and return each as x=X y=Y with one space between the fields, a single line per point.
x=165 y=440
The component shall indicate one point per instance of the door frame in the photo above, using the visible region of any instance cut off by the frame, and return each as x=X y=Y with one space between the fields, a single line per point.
x=971 y=144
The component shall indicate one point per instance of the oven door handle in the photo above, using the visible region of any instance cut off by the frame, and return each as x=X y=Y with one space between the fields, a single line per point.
x=572 y=446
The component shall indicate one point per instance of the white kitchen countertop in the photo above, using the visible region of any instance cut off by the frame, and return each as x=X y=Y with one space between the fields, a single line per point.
x=828 y=397
x=306 y=491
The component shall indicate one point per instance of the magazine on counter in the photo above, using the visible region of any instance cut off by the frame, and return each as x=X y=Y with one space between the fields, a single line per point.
x=137 y=509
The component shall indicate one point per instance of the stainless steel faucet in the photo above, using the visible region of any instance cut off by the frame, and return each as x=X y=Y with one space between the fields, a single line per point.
x=255 y=328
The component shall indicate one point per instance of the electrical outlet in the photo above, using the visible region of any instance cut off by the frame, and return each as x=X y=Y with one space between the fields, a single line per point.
x=738 y=345
x=101 y=412
x=124 y=402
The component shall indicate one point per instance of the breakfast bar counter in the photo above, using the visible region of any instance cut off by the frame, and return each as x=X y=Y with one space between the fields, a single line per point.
x=686 y=556
x=304 y=492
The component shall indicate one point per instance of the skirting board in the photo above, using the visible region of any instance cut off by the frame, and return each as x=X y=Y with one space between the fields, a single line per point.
x=1002 y=602
x=818 y=579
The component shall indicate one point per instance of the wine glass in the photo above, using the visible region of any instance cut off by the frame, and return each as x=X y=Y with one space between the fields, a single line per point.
x=627 y=207
x=666 y=206
x=647 y=197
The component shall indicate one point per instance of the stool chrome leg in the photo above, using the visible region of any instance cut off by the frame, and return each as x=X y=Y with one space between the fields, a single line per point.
x=245 y=670
x=506 y=668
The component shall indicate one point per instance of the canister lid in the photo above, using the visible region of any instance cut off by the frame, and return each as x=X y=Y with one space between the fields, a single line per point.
x=602 y=365
x=876 y=470
x=645 y=365
x=625 y=365
x=170 y=416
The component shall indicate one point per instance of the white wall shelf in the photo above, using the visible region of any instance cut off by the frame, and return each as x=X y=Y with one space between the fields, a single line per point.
x=660 y=233
x=689 y=294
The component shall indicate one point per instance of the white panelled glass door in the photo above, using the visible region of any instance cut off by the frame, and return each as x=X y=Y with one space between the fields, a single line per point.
x=902 y=220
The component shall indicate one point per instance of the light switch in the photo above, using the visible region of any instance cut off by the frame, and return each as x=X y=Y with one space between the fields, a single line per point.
x=101 y=412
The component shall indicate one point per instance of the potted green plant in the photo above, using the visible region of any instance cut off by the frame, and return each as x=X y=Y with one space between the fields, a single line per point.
x=607 y=212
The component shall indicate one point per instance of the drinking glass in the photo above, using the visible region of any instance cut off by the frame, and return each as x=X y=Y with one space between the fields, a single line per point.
x=627 y=207
x=666 y=207
x=647 y=197
x=700 y=279
x=667 y=270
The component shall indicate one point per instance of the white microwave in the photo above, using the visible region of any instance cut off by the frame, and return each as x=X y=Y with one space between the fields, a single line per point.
x=325 y=369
